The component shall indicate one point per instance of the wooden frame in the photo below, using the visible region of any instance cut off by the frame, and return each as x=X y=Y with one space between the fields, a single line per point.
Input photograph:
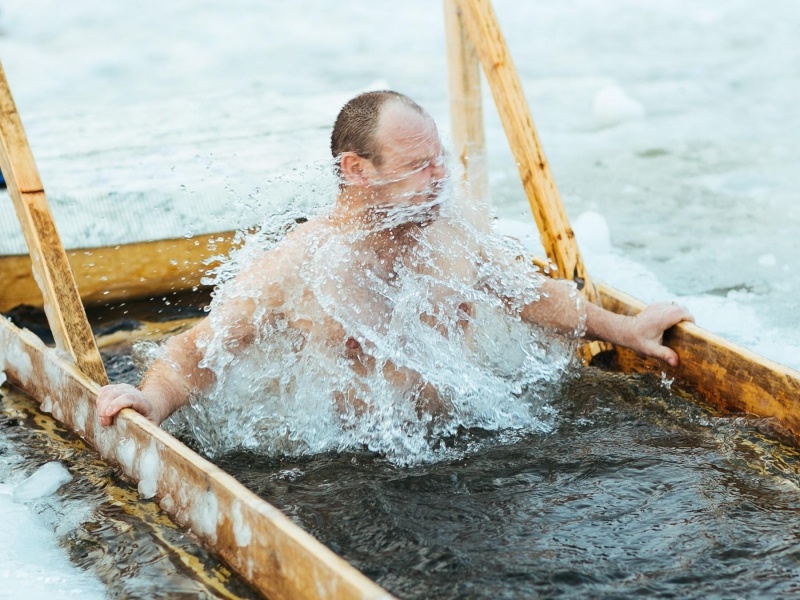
x=277 y=557
x=62 y=304
x=118 y=273
x=728 y=376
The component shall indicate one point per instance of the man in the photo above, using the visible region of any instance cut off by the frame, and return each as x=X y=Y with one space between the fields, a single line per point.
x=389 y=226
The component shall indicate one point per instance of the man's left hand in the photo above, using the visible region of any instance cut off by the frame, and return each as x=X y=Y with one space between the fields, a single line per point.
x=648 y=327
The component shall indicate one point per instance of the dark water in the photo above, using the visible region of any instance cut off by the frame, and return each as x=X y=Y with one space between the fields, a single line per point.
x=638 y=493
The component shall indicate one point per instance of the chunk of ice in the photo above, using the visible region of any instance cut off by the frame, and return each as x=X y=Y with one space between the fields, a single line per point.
x=44 y=481
x=613 y=106
x=591 y=231
x=767 y=260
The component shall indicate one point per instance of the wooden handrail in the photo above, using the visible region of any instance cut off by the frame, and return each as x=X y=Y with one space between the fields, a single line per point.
x=51 y=269
x=558 y=240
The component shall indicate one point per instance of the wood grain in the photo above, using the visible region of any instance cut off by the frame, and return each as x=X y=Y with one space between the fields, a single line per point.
x=726 y=375
x=118 y=273
x=50 y=266
x=277 y=557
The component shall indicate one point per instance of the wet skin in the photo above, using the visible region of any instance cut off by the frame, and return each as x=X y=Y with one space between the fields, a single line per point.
x=384 y=203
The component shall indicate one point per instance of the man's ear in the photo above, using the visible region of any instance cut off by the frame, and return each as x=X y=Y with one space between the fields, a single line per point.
x=353 y=167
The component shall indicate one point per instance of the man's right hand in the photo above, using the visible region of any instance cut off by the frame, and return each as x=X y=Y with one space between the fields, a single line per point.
x=113 y=398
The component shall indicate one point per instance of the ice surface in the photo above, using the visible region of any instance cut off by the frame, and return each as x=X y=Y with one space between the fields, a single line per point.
x=149 y=469
x=32 y=565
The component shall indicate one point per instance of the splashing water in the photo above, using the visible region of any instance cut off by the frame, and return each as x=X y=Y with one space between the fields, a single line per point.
x=391 y=337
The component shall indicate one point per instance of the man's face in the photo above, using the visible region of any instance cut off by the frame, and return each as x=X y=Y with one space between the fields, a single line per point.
x=411 y=171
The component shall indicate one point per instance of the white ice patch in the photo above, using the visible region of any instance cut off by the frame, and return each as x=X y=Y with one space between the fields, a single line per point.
x=43 y=482
x=19 y=359
x=149 y=469
x=767 y=260
x=591 y=231
x=241 y=530
x=612 y=106
x=47 y=404
x=126 y=454
x=81 y=416
x=205 y=514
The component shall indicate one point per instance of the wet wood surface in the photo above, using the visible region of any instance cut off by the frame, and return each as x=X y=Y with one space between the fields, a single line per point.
x=256 y=539
x=50 y=267
x=726 y=375
x=121 y=272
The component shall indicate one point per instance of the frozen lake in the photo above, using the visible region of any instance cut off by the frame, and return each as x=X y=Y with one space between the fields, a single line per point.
x=672 y=130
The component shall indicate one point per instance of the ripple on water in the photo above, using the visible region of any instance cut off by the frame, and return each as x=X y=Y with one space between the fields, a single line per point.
x=636 y=492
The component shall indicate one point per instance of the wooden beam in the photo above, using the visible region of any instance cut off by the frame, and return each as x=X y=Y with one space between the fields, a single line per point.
x=63 y=307
x=551 y=219
x=466 y=111
x=277 y=557
x=726 y=375
x=558 y=239
x=119 y=273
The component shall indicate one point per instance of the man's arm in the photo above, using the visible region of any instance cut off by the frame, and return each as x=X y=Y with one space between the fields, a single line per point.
x=172 y=379
x=560 y=308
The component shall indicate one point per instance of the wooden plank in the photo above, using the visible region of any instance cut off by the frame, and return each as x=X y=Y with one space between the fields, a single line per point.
x=557 y=237
x=63 y=307
x=466 y=111
x=119 y=273
x=726 y=375
x=277 y=557
x=551 y=219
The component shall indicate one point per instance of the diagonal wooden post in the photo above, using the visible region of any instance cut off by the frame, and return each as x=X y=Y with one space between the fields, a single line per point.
x=481 y=24
x=472 y=29
x=49 y=262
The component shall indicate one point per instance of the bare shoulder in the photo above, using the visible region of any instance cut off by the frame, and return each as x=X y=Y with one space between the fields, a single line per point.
x=450 y=236
x=289 y=248
x=282 y=260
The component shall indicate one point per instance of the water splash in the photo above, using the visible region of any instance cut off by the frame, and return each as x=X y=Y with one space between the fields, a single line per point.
x=388 y=338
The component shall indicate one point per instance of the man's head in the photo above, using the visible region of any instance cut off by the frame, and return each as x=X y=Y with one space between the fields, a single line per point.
x=387 y=150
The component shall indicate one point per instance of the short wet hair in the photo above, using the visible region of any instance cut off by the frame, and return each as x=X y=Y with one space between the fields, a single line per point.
x=354 y=129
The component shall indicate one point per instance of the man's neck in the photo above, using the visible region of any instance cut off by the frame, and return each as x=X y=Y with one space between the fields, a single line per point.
x=353 y=217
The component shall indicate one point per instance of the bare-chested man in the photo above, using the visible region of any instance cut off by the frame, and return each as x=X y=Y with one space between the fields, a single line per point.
x=391 y=169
